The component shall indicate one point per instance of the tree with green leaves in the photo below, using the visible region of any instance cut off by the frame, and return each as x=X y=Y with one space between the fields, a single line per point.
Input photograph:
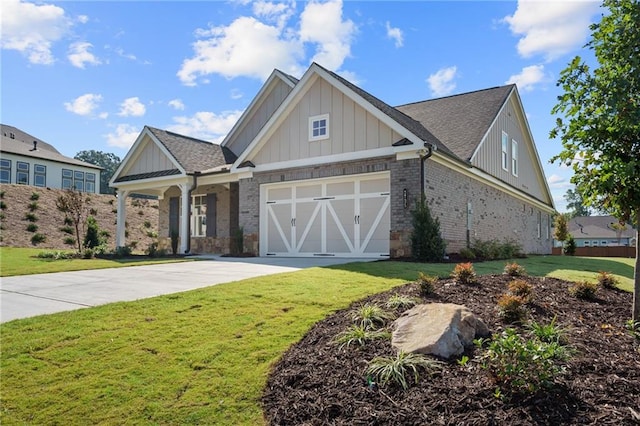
x=600 y=130
x=561 y=230
x=109 y=163
x=575 y=204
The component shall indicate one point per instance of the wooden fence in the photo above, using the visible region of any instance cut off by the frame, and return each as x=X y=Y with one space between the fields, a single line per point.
x=619 y=251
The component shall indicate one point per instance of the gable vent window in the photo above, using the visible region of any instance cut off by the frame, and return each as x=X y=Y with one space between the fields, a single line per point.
x=505 y=151
x=514 y=158
x=319 y=127
x=5 y=171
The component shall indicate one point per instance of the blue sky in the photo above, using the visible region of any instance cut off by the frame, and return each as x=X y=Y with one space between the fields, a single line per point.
x=89 y=75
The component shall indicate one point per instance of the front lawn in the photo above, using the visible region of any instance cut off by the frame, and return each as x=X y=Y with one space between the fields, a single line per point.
x=198 y=357
x=24 y=261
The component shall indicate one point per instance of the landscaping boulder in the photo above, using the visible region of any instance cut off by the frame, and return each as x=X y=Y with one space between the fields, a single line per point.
x=441 y=329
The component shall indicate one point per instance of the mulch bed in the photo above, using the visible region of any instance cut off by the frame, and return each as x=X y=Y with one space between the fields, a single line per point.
x=318 y=383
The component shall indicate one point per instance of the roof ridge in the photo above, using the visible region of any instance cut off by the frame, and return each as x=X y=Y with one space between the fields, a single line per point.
x=455 y=95
x=169 y=132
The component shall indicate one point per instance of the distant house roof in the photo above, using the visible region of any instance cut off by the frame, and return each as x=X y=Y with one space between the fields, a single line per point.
x=460 y=121
x=16 y=141
x=194 y=155
x=598 y=227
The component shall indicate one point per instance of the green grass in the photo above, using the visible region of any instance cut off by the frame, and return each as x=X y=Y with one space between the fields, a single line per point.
x=23 y=261
x=198 y=357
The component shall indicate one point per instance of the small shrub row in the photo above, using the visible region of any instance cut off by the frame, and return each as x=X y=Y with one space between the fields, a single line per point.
x=492 y=250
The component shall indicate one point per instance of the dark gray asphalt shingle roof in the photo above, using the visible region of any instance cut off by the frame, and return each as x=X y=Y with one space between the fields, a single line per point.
x=193 y=154
x=460 y=121
x=22 y=144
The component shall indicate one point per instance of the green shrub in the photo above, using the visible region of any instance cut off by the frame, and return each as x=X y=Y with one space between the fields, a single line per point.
x=494 y=250
x=463 y=273
x=237 y=242
x=37 y=238
x=32 y=227
x=55 y=255
x=93 y=211
x=467 y=254
x=35 y=196
x=427 y=284
x=67 y=230
x=389 y=369
x=1 y=194
x=521 y=289
x=427 y=244
x=548 y=333
x=357 y=334
x=31 y=217
x=570 y=246
x=147 y=224
x=606 y=279
x=514 y=270
x=400 y=302
x=68 y=221
x=33 y=206
x=88 y=253
x=70 y=241
x=3 y=205
x=584 y=290
x=92 y=236
x=522 y=366
x=511 y=308
x=123 y=251
x=634 y=329
x=369 y=316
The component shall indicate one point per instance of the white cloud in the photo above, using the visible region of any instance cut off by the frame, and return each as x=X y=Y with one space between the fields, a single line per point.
x=252 y=46
x=206 y=125
x=123 y=137
x=551 y=28
x=247 y=47
x=83 y=19
x=84 y=104
x=236 y=94
x=322 y=24
x=441 y=82
x=122 y=53
x=79 y=55
x=32 y=29
x=395 y=34
x=132 y=107
x=176 y=104
x=528 y=77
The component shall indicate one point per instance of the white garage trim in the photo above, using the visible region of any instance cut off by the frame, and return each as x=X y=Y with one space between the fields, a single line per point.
x=346 y=216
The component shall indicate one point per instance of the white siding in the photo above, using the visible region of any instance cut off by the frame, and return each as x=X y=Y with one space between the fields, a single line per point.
x=352 y=128
x=150 y=159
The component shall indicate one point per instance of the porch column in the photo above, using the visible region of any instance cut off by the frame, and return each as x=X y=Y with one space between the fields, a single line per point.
x=121 y=218
x=185 y=217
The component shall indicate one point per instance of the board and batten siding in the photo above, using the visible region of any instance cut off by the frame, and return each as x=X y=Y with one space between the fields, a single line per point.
x=351 y=128
x=265 y=108
x=150 y=159
x=489 y=155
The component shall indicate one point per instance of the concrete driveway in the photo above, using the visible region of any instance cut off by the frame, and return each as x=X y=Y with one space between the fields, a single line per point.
x=31 y=295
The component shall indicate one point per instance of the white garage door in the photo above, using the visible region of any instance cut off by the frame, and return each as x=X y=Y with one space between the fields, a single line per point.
x=344 y=217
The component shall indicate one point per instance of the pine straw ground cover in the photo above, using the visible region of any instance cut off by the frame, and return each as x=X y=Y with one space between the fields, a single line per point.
x=317 y=382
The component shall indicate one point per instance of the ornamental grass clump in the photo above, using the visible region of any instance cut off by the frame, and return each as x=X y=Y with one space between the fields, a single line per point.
x=584 y=290
x=548 y=333
x=369 y=316
x=398 y=301
x=514 y=270
x=359 y=335
x=606 y=279
x=463 y=273
x=396 y=369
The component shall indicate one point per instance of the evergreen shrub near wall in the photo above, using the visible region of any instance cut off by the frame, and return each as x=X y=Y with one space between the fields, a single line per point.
x=426 y=243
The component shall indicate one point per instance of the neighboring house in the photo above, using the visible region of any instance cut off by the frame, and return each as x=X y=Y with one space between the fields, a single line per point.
x=600 y=231
x=319 y=167
x=27 y=160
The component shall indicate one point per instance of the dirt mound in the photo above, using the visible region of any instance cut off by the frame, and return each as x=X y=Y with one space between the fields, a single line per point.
x=21 y=201
x=316 y=382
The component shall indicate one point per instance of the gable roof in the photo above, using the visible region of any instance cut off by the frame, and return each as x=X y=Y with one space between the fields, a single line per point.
x=473 y=112
x=597 y=227
x=193 y=155
x=16 y=141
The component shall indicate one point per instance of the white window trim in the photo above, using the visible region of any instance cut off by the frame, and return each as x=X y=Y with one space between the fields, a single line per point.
x=505 y=151
x=195 y=218
x=318 y=118
x=514 y=157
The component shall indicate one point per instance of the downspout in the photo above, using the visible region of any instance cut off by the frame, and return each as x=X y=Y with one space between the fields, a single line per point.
x=423 y=157
x=193 y=186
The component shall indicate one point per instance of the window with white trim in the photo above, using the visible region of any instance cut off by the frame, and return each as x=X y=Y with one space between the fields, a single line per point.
x=319 y=127
x=539 y=224
x=514 y=157
x=505 y=151
x=199 y=216
x=90 y=182
x=22 y=173
x=547 y=230
x=78 y=181
x=5 y=171
x=40 y=175
x=587 y=243
x=67 y=179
